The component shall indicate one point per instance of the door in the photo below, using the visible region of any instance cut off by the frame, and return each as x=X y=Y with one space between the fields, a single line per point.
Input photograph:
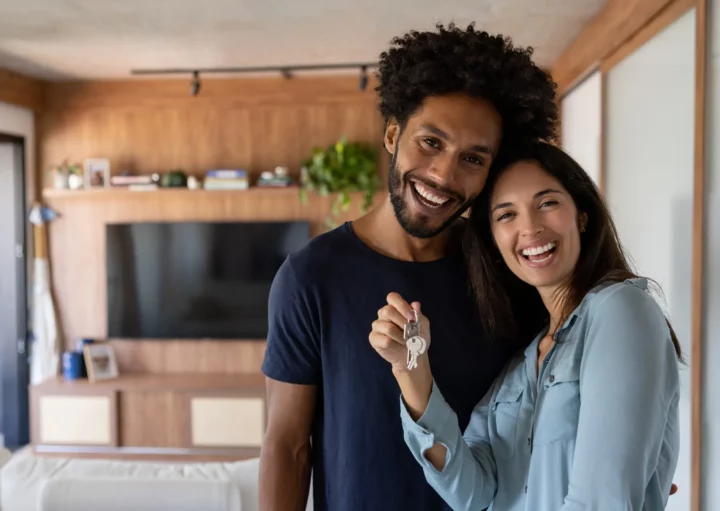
x=13 y=295
x=650 y=115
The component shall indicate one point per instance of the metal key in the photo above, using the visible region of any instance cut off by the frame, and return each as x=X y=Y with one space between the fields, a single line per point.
x=416 y=345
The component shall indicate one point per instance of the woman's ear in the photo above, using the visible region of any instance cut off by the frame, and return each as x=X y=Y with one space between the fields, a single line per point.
x=392 y=134
x=583 y=222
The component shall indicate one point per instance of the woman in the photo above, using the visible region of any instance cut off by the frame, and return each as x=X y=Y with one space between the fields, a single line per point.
x=586 y=416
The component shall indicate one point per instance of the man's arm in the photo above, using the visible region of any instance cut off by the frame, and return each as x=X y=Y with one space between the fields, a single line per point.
x=285 y=457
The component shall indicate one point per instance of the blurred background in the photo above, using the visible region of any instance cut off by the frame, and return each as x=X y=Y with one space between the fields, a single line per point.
x=227 y=113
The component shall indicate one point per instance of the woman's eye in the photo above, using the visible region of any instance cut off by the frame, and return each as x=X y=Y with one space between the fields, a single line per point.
x=504 y=216
x=432 y=143
x=549 y=203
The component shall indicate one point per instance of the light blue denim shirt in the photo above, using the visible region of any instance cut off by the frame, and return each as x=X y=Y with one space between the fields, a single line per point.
x=597 y=430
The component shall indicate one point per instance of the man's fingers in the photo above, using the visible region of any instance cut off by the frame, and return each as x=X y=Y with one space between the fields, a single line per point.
x=416 y=306
x=401 y=305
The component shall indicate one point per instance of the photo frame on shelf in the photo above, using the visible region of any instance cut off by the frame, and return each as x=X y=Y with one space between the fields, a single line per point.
x=96 y=172
x=100 y=361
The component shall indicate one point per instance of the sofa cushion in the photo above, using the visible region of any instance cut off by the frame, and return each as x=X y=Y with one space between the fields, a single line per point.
x=117 y=494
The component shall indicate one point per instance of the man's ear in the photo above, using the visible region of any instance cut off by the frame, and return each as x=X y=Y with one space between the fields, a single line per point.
x=392 y=135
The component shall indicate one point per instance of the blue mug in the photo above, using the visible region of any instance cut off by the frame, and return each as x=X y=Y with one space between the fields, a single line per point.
x=73 y=365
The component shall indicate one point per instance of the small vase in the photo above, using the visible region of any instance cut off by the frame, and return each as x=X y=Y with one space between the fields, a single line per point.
x=60 y=180
x=75 y=182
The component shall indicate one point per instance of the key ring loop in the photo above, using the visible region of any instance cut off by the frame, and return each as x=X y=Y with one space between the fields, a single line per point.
x=417 y=319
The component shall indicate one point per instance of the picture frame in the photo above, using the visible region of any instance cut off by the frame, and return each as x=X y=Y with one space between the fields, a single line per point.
x=100 y=361
x=96 y=172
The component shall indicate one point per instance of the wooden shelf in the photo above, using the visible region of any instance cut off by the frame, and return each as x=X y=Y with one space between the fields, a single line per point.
x=120 y=192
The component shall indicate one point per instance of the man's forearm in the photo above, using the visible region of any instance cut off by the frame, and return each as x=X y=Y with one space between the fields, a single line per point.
x=284 y=477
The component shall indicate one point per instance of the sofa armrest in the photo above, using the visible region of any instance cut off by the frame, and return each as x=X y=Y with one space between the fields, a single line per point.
x=118 y=494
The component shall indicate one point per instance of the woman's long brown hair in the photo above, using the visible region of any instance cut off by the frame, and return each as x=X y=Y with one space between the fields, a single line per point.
x=512 y=310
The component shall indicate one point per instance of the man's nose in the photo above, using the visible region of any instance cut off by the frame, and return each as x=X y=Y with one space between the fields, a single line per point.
x=444 y=168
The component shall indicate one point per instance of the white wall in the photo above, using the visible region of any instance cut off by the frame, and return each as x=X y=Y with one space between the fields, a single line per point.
x=711 y=339
x=581 y=123
x=18 y=121
x=649 y=183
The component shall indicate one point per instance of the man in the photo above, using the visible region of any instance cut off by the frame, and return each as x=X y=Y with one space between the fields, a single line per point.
x=451 y=98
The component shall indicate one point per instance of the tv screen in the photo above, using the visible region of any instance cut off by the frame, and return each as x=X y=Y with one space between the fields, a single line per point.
x=195 y=280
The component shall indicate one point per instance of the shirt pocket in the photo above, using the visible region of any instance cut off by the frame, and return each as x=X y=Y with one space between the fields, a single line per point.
x=503 y=427
x=558 y=418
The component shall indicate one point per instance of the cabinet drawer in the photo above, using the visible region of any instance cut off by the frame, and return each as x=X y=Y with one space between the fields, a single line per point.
x=79 y=420
x=226 y=421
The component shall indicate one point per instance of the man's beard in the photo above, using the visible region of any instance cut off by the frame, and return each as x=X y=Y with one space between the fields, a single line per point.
x=418 y=228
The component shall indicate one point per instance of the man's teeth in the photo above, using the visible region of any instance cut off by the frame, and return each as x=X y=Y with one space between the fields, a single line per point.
x=427 y=194
x=538 y=250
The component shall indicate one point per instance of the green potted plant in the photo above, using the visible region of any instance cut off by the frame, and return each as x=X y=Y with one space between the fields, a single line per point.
x=343 y=168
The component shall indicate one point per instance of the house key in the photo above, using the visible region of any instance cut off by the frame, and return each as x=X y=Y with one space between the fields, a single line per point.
x=416 y=345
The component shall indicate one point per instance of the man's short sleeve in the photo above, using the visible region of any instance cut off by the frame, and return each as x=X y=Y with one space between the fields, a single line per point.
x=292 y=354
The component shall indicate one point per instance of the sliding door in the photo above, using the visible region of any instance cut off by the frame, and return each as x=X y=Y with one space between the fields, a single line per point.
x=581 y=124
x=649 y=151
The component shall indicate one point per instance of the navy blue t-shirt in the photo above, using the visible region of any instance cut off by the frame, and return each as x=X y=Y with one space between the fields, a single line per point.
x=322 y=304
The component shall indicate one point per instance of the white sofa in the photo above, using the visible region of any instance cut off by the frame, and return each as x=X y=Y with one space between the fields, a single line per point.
x=33 y=483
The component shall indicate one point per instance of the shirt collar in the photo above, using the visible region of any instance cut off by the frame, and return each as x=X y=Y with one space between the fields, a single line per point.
x=580 y=310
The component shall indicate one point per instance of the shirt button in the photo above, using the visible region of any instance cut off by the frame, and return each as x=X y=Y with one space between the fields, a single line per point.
x=552 y=378
x=525 y=489
x=529 y=441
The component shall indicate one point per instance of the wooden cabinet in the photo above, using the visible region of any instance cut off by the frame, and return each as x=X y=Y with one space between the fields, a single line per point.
x=170 y=416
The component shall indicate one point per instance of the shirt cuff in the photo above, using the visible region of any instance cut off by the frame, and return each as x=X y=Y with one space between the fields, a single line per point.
x=435 y=426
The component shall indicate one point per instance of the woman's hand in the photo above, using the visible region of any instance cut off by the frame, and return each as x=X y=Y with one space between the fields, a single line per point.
x=387 y=335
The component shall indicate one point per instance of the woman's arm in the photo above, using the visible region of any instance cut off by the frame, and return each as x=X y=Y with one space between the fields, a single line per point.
x=628 y=381
x=461 y=470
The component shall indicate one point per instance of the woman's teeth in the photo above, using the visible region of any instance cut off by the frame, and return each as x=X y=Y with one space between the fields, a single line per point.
x=428 y=195
x=536 y=251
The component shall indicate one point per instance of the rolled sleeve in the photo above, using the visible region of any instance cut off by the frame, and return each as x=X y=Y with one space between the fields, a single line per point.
x=435 y=426
x=468 y=480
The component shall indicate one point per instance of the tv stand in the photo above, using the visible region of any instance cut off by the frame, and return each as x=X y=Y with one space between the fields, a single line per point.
x=181 y=416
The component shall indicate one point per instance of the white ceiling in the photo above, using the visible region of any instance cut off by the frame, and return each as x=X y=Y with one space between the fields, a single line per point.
x=69 y=39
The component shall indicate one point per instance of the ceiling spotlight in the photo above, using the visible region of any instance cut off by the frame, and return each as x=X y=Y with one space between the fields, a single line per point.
x=363 y=78
x=195 y=84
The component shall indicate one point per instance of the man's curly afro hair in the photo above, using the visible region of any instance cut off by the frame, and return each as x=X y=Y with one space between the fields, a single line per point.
x=452 y=60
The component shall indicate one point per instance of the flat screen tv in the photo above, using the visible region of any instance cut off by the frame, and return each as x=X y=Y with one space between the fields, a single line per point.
x=195 y=280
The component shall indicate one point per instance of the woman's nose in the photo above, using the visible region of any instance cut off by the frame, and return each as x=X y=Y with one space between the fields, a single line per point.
x=530 y=227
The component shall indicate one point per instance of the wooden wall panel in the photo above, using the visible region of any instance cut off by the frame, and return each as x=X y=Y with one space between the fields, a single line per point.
x=20 y=90
x=156 y=126
x=77 y=257
x=147 y=126
x=607 y=32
